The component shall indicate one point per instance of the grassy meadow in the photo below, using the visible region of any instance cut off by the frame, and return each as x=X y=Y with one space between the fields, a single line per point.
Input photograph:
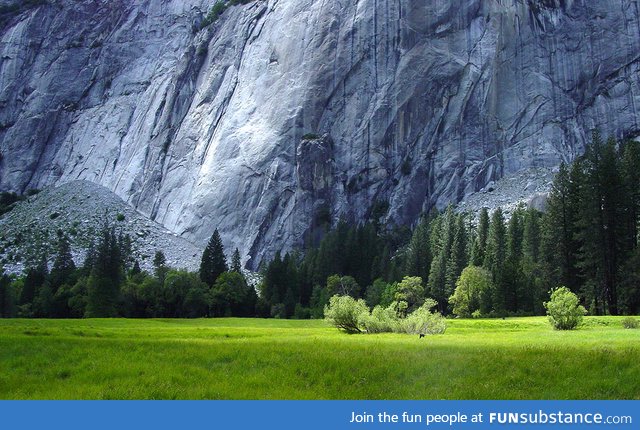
x=519 y=358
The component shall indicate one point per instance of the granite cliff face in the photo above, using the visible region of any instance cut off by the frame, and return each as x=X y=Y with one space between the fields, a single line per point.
x=414 y=103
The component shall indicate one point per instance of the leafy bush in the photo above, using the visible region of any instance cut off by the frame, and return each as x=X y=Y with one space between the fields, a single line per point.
x=423 y=321
x=381 y=320
x=564 y=309
x=630 y=322
x=120 y=217
x=346 y=313
x=310 y=136
x=352 y=316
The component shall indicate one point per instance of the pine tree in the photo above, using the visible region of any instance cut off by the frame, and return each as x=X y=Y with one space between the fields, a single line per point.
x=33 y=281
x=135 y=270
x=495 y=256
x=236 y=265
x=103 y=289
x=533 y=285
x=560 y=240
x=480 y=242
x=213 y=262
x=630 y=175
x=89 y=260
x=418 y=261
x=513 y=276
x=457 y=257
x=160 y=266
x=531 y=235
x=125 y=245
x=63 y=266
x=7 y=299
x=600 y=231
x=441 y=246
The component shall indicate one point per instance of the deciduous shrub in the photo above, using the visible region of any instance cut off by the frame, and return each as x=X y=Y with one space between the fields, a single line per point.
x=630 y=322
x=381 y=320
x=423 y=321
x=346 y=313
x=564 y=309
x=353 y=316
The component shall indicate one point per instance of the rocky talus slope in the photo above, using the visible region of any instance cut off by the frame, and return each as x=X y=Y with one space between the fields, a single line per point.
x=80 y=209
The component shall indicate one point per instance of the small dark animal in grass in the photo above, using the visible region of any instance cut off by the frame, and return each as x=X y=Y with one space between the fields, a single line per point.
x=421 y=336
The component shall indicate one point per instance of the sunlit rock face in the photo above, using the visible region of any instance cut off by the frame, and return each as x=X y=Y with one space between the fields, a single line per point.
x=414 y=103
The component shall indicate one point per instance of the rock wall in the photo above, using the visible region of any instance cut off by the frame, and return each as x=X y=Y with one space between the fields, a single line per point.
x=413 y=103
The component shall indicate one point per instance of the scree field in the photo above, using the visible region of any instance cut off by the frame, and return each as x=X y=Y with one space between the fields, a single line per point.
x=520 y=358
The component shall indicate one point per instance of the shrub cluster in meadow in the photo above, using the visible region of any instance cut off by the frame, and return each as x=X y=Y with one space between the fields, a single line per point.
x=354 y=316
x=630 y=323
x=564 y=309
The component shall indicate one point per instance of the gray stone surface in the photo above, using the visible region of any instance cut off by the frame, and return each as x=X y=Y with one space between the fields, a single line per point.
x=422 y=102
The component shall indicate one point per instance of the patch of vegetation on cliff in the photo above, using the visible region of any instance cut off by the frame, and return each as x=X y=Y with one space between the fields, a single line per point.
x=218 y=9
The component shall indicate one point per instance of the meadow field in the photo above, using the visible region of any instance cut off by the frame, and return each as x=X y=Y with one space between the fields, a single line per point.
x=518 y=358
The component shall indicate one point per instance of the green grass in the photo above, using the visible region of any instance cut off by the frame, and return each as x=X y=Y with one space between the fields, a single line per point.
x=520 y=358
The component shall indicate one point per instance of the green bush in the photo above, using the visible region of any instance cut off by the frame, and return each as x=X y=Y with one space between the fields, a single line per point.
x=353 y=316
x=564 y=309
x=120 y=217
x=381 y=320
x=630 y=322
x=423 y=321
x=346 y=313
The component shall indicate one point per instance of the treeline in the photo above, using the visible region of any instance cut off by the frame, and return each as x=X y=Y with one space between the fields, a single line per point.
x=490 y=265
x=111 y=284
x=587 y=240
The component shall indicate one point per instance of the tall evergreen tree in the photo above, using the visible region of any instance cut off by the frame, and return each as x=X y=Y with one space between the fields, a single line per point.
x=103 y=289
x=160 y=266
x=273 y=283
x=480 y=242
x=7 y=299
x=236 y=265
x=418 y=262
x=601 y=251
x=213 y=262
x=495 y=257
x=458 y=258
x=559 y=237
x=515 y=290
x=630 y=176
x=33 y=281
x=531 y=235
x=441 y=248
x=532 y=270
x=64 y=268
